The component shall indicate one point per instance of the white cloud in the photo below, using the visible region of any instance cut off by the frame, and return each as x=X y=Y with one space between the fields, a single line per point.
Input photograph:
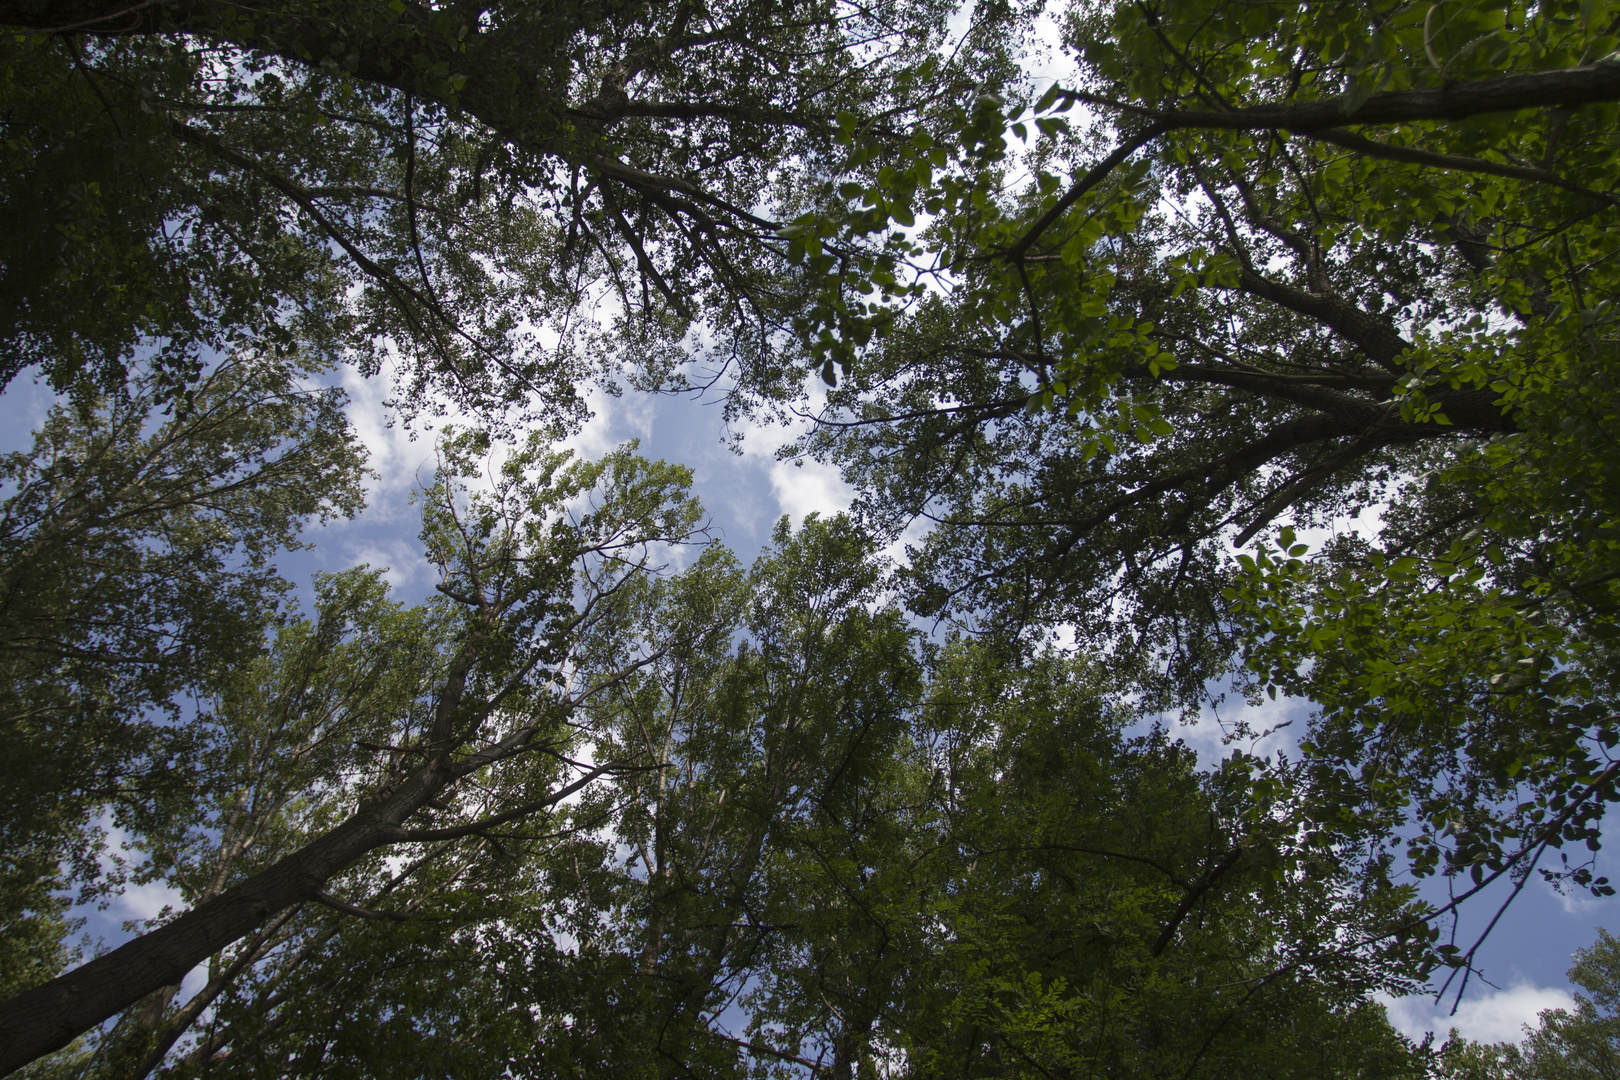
x=192 y=984
x=139 y=903
x=396 y=454
x=135 y=902
x=1368 y=525
x=384 y=533
x=808 y=487
x=1275 y=726
x=400 y=559
x=1499 y=1016
x=614 y=421
x=23 y=408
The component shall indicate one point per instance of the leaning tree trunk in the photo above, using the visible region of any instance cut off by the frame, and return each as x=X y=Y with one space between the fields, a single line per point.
x=48 y=1017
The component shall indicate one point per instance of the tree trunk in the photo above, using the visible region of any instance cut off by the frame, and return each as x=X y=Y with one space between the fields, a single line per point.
x=48 y=1017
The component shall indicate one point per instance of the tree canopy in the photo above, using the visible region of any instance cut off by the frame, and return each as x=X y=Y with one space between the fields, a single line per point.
x=440 y=186
x=611 y=803
x=1258 y=268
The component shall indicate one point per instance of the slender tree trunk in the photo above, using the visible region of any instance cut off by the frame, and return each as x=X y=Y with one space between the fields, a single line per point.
x=48 y=1017
x=851 y=1043
x=657 y=877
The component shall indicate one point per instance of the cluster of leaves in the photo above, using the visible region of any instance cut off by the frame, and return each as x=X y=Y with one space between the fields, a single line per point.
x=1280 y=262
x=439 y=187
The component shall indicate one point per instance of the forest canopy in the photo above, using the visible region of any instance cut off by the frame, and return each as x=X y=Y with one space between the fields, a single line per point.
x=1111 y=344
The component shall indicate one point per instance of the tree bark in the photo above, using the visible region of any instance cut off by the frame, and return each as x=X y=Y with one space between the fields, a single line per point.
x=1565 y=88
x=48 y=1017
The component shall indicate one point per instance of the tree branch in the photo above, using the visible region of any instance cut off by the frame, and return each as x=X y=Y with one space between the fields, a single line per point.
x=1458 y=162
x=1199 y=889
x=1565 y=88
x=457 y=831
x=364 y=913
x=1094 y=176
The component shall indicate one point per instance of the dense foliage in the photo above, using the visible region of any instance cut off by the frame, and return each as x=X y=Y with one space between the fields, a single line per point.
x=727 y=820
x=610 y=803
x=137 y=568
x=1261 y=268
x=442 y=189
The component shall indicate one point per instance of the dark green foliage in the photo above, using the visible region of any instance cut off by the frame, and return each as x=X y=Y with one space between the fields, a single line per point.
x=135 y=572
x=1285 y=264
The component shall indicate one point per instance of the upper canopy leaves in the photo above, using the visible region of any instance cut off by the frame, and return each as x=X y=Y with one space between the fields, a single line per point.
x=1260 y=262
x=446 y=183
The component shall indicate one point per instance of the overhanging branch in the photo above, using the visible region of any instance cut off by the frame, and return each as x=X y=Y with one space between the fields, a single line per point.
x=1568 y=88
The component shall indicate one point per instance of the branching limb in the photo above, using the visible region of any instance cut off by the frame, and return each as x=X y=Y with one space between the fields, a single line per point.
x=359 y=912
x=1454 y=162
